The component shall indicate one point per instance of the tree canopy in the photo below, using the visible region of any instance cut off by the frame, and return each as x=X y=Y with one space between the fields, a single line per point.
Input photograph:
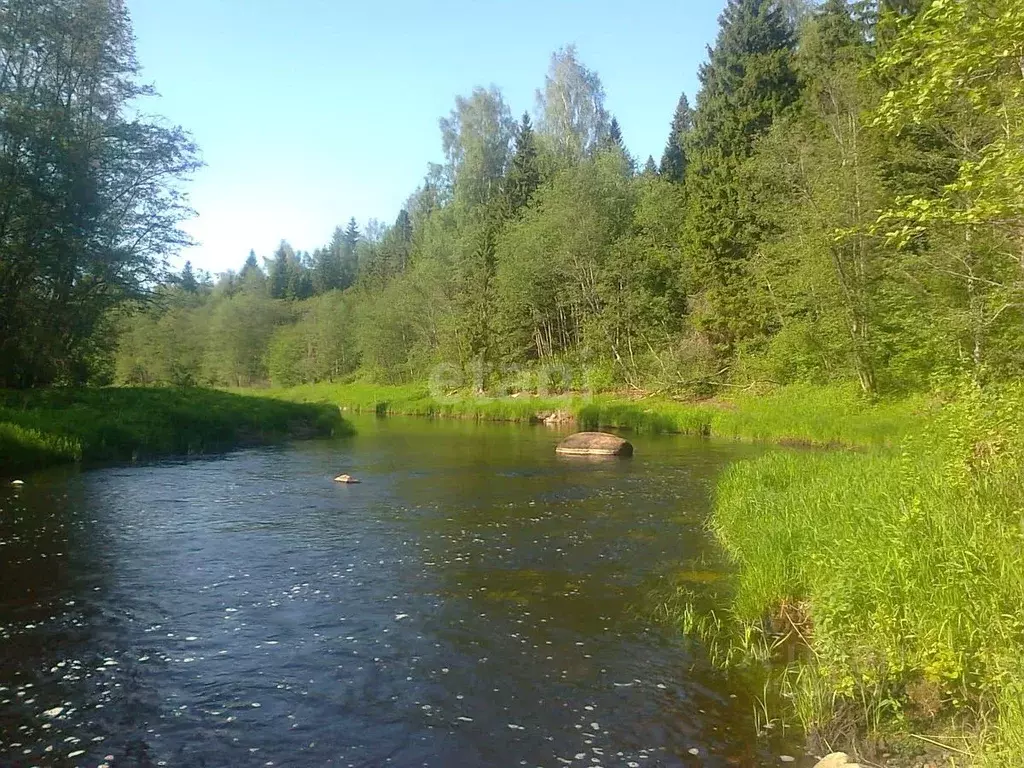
x=841 y=202
x=89 y=191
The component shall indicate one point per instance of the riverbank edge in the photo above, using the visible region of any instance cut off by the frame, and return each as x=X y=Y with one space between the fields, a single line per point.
x=822 y=417
x=44 y=428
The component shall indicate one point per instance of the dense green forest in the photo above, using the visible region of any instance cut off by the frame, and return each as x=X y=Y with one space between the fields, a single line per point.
x=843 y=202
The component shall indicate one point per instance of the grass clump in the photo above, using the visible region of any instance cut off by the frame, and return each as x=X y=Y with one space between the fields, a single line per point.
x=908 y=564
x=44 y=427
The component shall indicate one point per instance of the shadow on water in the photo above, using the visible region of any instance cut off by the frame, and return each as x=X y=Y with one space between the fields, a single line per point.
x=475 y=600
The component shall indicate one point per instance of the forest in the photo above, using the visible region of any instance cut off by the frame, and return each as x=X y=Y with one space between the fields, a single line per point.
x=842 y=202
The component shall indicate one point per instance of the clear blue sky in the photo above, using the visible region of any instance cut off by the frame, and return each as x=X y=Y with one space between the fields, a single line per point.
x=308 y=112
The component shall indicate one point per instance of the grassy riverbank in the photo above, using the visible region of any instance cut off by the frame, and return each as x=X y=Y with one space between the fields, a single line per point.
x=897 y=567
x=835 y=416
x=43 y=427
x=902 y=572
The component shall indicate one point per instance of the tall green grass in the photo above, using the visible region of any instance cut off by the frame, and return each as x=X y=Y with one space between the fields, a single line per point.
x=43 y=427
x=835 y=416
x=909 y=566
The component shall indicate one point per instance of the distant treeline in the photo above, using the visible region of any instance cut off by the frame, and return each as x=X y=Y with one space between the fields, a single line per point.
x=843 y=202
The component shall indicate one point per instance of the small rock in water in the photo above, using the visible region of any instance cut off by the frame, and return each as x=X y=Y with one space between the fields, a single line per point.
x=53 y=712
x=348 y=479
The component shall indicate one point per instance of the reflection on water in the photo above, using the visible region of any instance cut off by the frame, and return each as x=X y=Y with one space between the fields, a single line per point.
x=476 y=600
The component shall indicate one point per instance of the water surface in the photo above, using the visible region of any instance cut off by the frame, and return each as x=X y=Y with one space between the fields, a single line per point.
x=475 y=601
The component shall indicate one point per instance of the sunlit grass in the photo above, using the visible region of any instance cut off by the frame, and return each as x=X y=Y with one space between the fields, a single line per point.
x=910 y=565
x=42 y=427
x=835 y=416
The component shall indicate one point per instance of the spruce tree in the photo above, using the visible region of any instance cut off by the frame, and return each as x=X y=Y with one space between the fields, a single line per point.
x=251 y=276
x=279 y=271
x=188 y=281
x=343 y=257
x=615 y=135
x=400 y=238
x=352 y=235
x=523 y=175
x=650 y=167
x=673 y=160
x=327 y=269
x=748 y=82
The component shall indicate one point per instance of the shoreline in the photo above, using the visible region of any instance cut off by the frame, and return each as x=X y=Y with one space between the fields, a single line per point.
x=798 y=416
x=45 y=428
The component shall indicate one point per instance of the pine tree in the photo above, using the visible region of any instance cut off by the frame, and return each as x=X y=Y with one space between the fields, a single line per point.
x=403 y=227
x=523 y=176
x=673 y=160
x=188 y=281
x=401 y=242
x=615 y=135
x=251 y=276
x=748 y=82
x=250 y=263
x=278 y=271
x=650 y=167
x=352 y=235
x=343 y=258
x=299 y=283
x=613 y=142
x=327 y=269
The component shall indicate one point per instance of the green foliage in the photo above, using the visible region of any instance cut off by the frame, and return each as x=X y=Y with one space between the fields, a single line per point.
x=43 y=427
x=573 y=118
x=673 y=160
x=89 y=199
x=476 y=137
x=523 y=175
x=748 y=83
x=956 y=88
x=907 y=561
x=319 y=346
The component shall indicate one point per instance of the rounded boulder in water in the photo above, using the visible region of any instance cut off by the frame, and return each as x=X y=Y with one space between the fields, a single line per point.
x=594 y=444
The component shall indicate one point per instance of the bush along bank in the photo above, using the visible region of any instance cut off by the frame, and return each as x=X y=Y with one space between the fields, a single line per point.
x=39 y=428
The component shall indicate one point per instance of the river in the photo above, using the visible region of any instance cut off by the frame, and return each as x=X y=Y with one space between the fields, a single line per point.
x=474 y=601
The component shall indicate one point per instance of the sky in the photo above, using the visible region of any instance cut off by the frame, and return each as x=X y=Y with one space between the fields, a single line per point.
x=308 y=112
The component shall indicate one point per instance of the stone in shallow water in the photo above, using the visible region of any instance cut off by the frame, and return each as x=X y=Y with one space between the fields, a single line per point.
x=594 y=444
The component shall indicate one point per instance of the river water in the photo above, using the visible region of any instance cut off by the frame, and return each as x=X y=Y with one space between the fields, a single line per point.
x=474 y=601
